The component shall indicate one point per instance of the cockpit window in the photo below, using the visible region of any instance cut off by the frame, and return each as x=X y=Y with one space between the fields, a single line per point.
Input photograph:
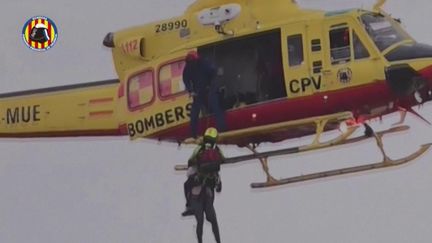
x=340 y=45
x=360 y=50
x=383 y=30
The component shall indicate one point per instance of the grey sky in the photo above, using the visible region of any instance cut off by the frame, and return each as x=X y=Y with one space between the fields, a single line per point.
x=113 y=190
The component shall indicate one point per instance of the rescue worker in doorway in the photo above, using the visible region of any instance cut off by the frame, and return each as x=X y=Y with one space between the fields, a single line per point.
x=199 y=79
x=203 y=180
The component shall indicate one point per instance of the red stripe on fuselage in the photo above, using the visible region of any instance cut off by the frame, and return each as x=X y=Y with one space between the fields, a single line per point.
x=427 y=73
x=360 y=100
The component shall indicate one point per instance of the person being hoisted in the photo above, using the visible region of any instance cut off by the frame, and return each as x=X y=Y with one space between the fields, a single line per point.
x=203 y=180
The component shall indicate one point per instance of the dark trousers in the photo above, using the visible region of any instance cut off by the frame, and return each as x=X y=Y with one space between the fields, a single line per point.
x=198 y=103
x=204 y=204
x=187 y=187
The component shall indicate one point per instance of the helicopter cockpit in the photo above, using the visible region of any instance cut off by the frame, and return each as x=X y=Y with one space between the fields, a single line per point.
x=383 y=30
x=392 y=40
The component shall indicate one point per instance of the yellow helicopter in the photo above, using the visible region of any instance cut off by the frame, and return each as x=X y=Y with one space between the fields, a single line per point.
x=283 y=72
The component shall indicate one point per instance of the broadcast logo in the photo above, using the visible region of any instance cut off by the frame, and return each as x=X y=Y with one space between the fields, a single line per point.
x=39 y=33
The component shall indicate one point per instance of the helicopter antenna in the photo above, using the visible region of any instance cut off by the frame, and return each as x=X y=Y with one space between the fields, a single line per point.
x=378 y=5
x=219 y=16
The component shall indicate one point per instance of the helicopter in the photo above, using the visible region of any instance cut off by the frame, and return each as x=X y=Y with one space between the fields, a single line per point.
x=283 y=72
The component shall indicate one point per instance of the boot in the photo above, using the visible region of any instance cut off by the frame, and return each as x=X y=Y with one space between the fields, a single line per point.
x=188 y=212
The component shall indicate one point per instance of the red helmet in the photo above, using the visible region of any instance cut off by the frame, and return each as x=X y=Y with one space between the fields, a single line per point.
x=192 y=56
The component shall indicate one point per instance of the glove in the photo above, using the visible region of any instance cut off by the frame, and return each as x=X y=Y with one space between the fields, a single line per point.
x=218 y=186
x=192 y=94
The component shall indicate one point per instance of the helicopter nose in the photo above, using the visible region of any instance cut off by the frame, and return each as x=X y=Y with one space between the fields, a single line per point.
x=404 y=81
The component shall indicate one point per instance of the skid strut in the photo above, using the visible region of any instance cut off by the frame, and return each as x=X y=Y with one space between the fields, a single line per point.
x=264 y=164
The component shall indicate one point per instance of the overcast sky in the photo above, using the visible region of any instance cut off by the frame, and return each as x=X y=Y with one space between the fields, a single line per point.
x=112 y=190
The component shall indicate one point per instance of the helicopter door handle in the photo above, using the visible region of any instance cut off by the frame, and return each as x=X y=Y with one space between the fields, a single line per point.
x=326 y=72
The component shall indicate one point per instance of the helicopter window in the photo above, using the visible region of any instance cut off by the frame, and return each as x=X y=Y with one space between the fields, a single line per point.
x=383 y=30
x=171 y=79
x=249 y=69
x=140 y=89
x=340 y=45
x=360 y=50
x=295 y=50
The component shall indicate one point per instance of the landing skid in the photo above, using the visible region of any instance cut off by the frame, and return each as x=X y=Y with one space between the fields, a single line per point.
x=341 y=140
x=385 y=163
x=320 y=124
